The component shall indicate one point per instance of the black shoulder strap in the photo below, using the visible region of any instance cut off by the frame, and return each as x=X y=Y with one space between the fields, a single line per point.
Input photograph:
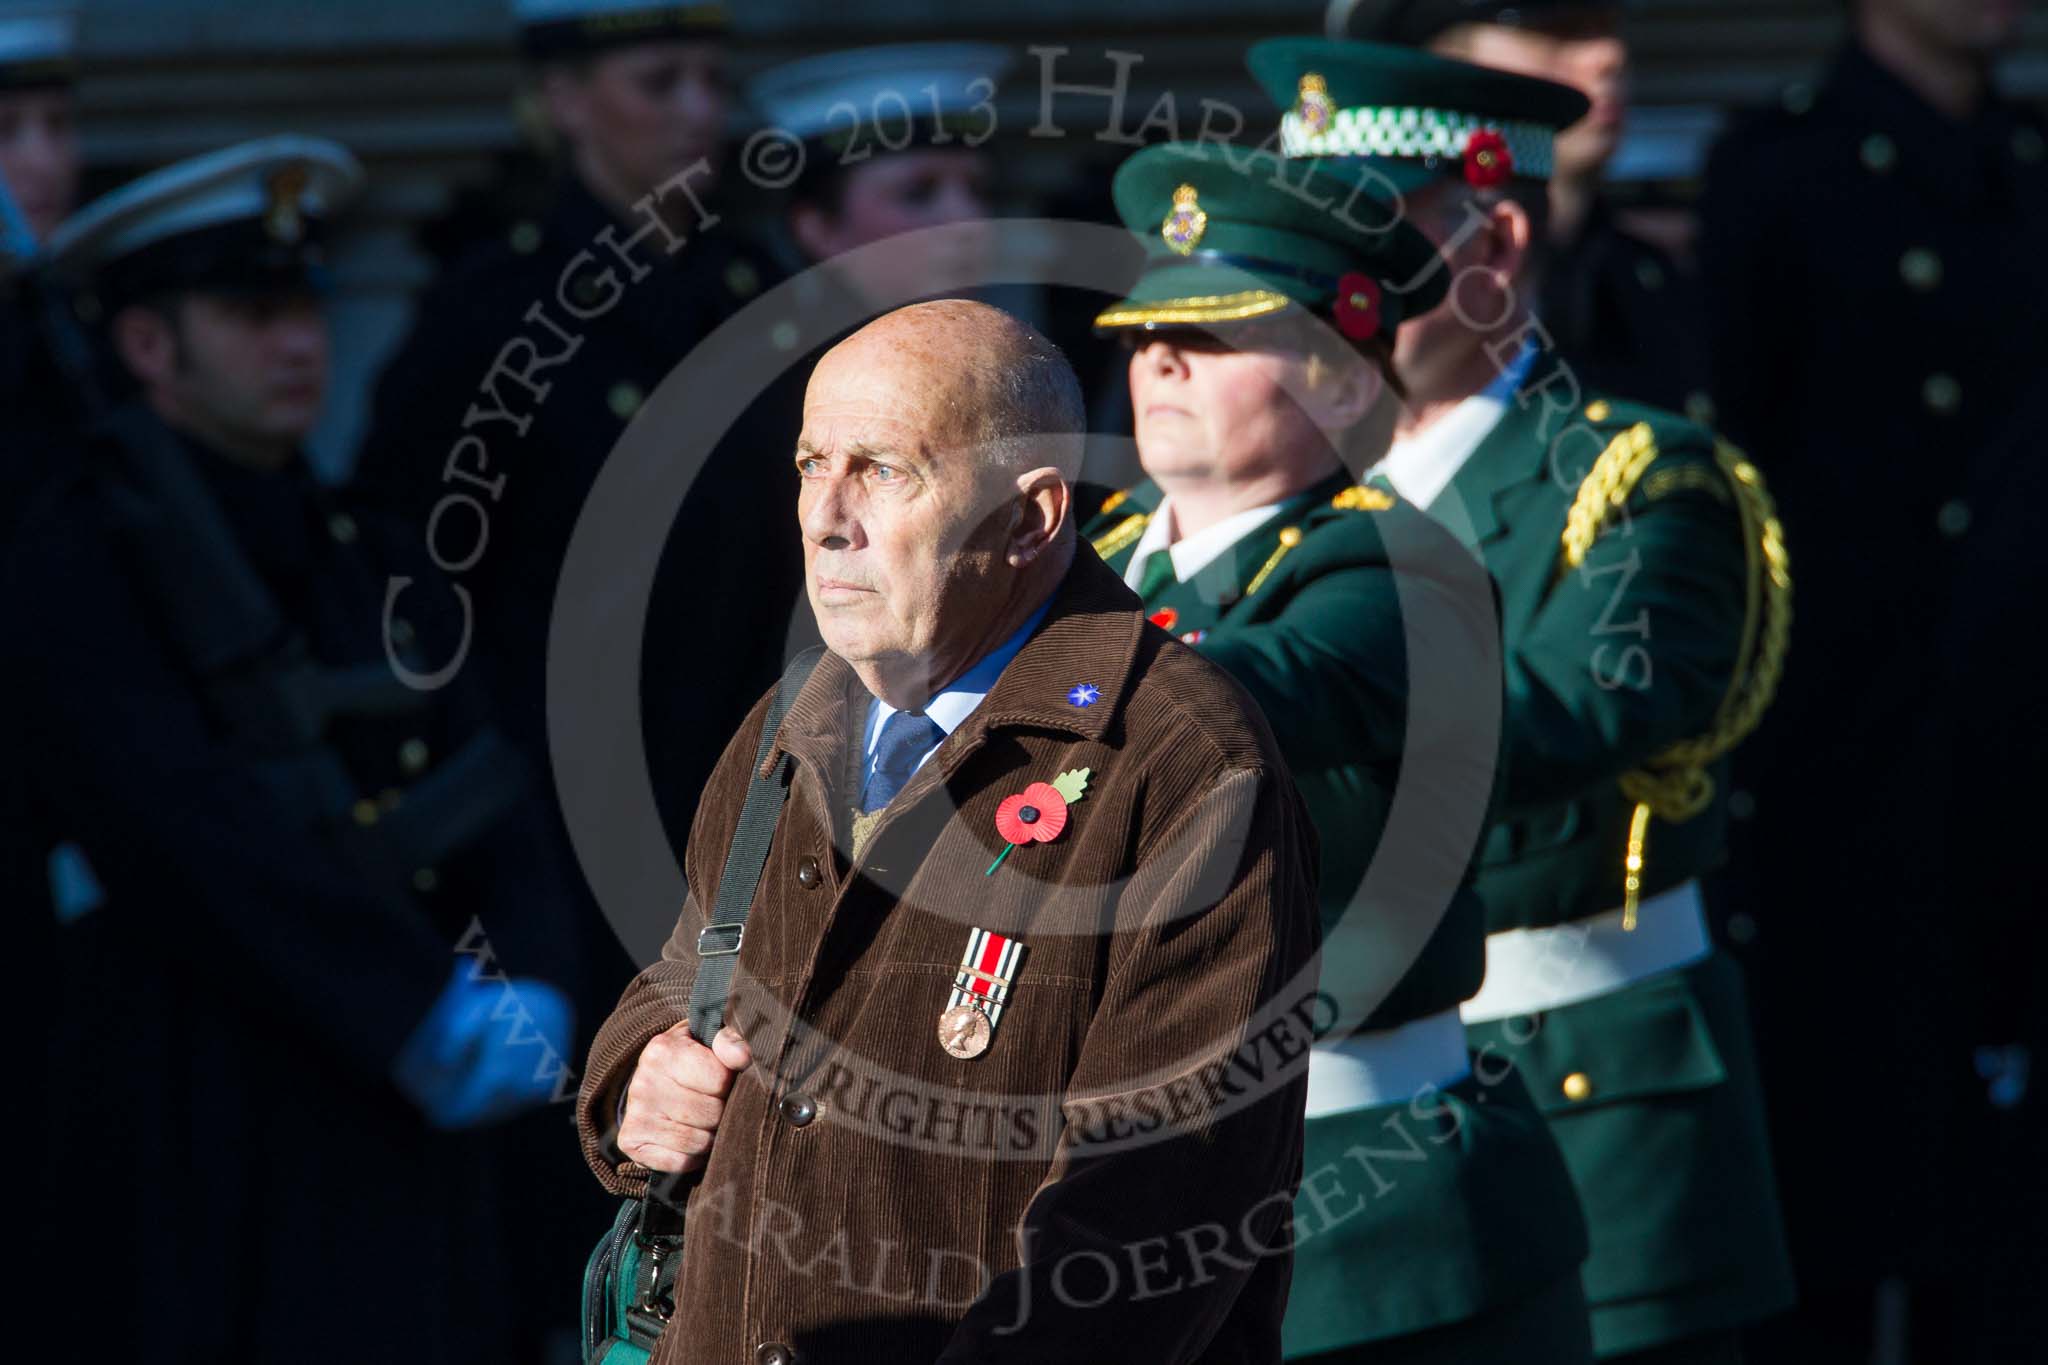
x=718 y=943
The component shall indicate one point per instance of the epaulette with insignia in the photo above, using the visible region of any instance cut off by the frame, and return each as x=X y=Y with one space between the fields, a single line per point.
x=1113 y=501
x=1360 y=498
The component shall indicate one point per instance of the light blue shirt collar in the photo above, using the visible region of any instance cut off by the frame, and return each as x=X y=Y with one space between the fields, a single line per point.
x=954 y=702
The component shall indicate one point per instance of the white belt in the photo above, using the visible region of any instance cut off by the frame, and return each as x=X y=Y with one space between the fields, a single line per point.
x=1528 y=970
x=1386 y=1066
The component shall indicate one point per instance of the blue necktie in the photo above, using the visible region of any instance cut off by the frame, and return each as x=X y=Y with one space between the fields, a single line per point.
x=906 y=738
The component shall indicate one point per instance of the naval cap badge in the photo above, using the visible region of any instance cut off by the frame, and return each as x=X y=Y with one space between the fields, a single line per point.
x=284 y=217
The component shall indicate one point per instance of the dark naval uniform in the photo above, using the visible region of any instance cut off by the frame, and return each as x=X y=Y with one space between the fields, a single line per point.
x=1436 y=1220
x=724 y=589
x=288 y=1030
x=1628 y=313
x=1879 y=284
x=236 y=1006
x=1651 y=1083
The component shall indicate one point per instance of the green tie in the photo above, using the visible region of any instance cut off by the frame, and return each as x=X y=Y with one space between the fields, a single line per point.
x=1158 y=573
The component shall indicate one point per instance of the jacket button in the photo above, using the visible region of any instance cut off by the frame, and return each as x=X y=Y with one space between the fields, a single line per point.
x=774 y=1353
x=1921 y=268
x=1942 y=393
x=799 y=1110
x=1577 y=1087
x=807 y=874
x=1952 y=518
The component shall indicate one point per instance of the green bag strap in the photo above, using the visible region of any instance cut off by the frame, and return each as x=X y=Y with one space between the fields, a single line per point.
x=718 y=942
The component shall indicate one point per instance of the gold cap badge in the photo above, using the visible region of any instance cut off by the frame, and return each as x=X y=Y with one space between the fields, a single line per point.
x=1312 y=104
x=283 y=214
x=1185 y=223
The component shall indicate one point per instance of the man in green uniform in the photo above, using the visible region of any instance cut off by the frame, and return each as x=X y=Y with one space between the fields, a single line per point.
x=1625 y=307
x=1645 y=606
x=1436 y=1220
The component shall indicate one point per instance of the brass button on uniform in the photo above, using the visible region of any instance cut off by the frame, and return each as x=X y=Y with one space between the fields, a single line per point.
x=412 y=757
x=1599 y=410
x=1953 y=519
x=775 y=1353
x=1942 y=393
x=1879 y=153
x=1921 y=268
x=342 y=527
x=624 y=400
x=807 y=874
x=1577 y=1086
x=799 y=1110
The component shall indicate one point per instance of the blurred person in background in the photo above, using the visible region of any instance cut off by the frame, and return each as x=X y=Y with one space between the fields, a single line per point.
x=38 y=180
x=1643 y=617
x=892 y=142
x=289 y=1036
x=38 y=185
x=597 y=302
x=38 y=136
x=1626 y=309
x=1874 y=256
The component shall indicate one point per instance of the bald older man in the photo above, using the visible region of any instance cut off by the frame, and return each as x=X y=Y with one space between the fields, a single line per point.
x=1014 y=1057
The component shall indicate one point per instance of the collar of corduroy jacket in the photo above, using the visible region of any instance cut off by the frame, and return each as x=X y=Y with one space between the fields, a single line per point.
x=1089 y=638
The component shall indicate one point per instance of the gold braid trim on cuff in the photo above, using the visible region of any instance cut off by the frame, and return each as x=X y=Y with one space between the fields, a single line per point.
x=1674 y=785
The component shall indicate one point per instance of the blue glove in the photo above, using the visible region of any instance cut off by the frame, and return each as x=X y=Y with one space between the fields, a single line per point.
x=486 y=1050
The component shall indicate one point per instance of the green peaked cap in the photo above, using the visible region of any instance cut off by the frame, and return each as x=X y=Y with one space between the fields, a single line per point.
x=1418 y=21
x=1409 y=117
x=1233 y=233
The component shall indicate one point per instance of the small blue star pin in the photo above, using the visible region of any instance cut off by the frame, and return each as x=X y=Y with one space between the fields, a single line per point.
x=1084 y=694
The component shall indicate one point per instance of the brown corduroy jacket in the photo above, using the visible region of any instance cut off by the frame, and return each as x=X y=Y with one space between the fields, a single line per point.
x=1112 y=1178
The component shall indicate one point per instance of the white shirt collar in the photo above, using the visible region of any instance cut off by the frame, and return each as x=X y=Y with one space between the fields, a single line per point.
x=1422 y=466
x=1192 y=554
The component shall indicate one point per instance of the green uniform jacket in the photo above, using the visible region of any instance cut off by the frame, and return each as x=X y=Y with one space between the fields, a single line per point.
x=1363 y=630
x=1608 y=664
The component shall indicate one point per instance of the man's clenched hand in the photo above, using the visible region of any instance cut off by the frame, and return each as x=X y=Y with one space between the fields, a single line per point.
x=676 y=1097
